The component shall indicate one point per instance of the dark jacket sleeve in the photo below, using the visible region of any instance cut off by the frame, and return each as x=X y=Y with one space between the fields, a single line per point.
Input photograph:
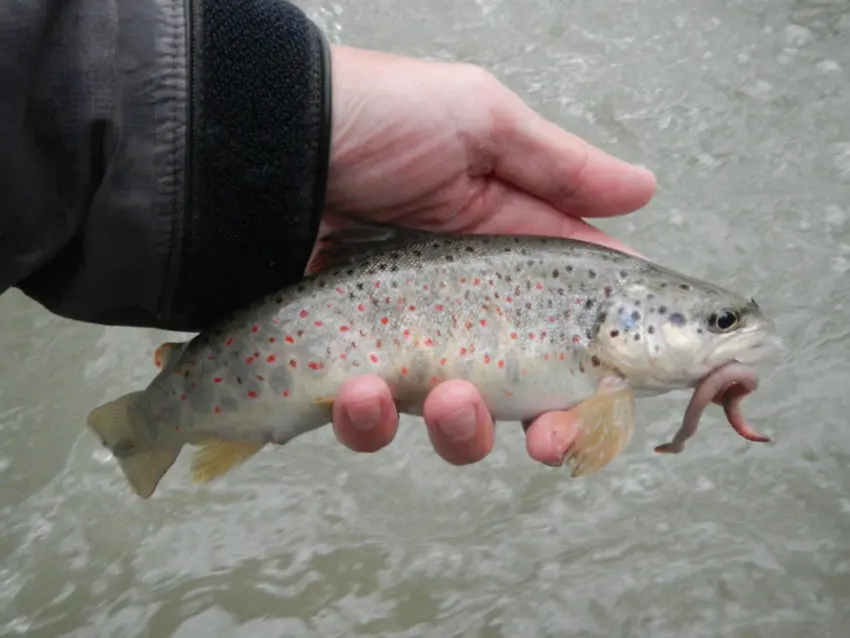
x=162 y=162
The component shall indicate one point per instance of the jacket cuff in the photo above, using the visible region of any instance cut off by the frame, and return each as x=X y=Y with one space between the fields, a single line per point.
x=259 y=146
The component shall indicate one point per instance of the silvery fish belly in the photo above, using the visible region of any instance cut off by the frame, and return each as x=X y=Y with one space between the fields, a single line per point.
x=536 y=324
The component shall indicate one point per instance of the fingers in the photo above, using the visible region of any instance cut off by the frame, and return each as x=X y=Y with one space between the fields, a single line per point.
x=562 y=169
x=365 y=418
x=503 y=210
x=459 y=425
x=550 y=438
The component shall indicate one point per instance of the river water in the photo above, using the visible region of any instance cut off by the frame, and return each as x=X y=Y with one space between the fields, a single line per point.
x=742 y=108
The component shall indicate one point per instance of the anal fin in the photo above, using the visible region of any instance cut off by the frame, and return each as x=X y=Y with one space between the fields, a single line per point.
x=215 y=458
x=607 y=423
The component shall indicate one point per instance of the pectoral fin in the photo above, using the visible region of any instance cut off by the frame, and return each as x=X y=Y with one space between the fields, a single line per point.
x=607 y=422
x=215 y=458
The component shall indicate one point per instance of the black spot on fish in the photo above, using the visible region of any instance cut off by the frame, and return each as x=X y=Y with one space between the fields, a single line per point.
x=589 y=304
x=662 y=310
x=624 y=274
x=569 y=269
x=684 y=286
x=360 y=286
x=635 y=315
x=677 y=319
x=614 y=333
x=470 y=249
x=651 y=330
x=556 y=273
x=637 y=336
x=603 y=316
x=591 y=273
x=595 y=361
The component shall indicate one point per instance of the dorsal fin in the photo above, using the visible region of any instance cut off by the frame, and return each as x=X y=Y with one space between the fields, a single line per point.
x=347 y=246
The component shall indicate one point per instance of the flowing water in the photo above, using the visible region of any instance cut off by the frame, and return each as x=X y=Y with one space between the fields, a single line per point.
x=742 y=108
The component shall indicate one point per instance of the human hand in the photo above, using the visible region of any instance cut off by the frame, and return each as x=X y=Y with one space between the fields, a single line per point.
x=446 y=147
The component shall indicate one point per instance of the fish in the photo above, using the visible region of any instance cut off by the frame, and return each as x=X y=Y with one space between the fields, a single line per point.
x=536 y=323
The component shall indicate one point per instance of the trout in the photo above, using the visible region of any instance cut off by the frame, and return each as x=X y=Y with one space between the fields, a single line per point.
x=535 y=323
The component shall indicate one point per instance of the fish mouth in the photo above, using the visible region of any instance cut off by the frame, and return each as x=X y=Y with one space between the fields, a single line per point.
x=727 y=385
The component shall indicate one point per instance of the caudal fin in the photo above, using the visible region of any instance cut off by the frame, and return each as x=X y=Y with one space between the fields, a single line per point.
x=117 y=425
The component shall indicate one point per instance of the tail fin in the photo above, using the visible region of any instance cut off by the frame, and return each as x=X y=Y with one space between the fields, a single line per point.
x=117 y=425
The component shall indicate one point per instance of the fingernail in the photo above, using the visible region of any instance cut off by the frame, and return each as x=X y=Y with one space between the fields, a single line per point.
x=364 y=415
x=460 y=424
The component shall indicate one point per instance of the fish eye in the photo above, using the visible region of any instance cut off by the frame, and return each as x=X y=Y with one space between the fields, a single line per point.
x=723 y=321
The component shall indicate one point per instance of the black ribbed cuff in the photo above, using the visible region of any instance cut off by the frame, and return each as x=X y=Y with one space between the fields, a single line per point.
x=259 y=146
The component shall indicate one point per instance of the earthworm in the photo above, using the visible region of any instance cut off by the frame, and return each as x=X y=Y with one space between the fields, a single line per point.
x=727 y=385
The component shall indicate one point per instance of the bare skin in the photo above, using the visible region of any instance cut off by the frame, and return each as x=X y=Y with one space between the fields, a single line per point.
x=446 y=147
x=728 y=386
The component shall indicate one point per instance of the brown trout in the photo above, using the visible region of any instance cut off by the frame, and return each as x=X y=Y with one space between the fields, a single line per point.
x=535 y=323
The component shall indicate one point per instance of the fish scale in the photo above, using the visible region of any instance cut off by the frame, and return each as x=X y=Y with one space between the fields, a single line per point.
x=535 y=323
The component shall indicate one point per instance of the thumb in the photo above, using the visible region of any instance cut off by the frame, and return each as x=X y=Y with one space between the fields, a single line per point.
x=562 y=169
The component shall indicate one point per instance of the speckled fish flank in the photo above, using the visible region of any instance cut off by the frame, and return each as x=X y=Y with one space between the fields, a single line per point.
x=537 y=324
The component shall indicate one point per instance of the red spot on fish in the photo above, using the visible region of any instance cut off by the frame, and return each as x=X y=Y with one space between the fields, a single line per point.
x=403 y=369
x=385 y=320
x=531 y=335
x=360 y=307
x=443 y=361
x=476 y=281
x=463 y=351
x=182 y=397
x=377 y=343
x=546 y=356
x=608 y=291
x=486 y=358
x=217 y=409
x=249 y=360
x=483 y=322
x=255 y=328
x=271 y=358
x=501 y=363
x=362 y=333
x=318 y=324
x=439 y=307
x=509 y=299
x=343 y=355
x=406 y=333
x=576 y=339
x=292 y=363
x=551 y=319
x=424 y=287
x=522 y=371
x=229 y=341
x=271 y=339
x=561 y=356
x=289 y=339
x=217 y=380
x=428 y=342
x=411 y=308
x=513 y=335
x=344 y=328
x=252 y=394
x=377 y=284
x=388 y=299
x=539 y=286
x=468 y=325
x=304 y=313
x=340 y=291
x=286 y=393
x=373 y=358
x=315 y=365
x=434 y=380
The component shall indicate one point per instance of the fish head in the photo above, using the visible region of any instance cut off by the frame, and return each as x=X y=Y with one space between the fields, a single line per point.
x=667 y=331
